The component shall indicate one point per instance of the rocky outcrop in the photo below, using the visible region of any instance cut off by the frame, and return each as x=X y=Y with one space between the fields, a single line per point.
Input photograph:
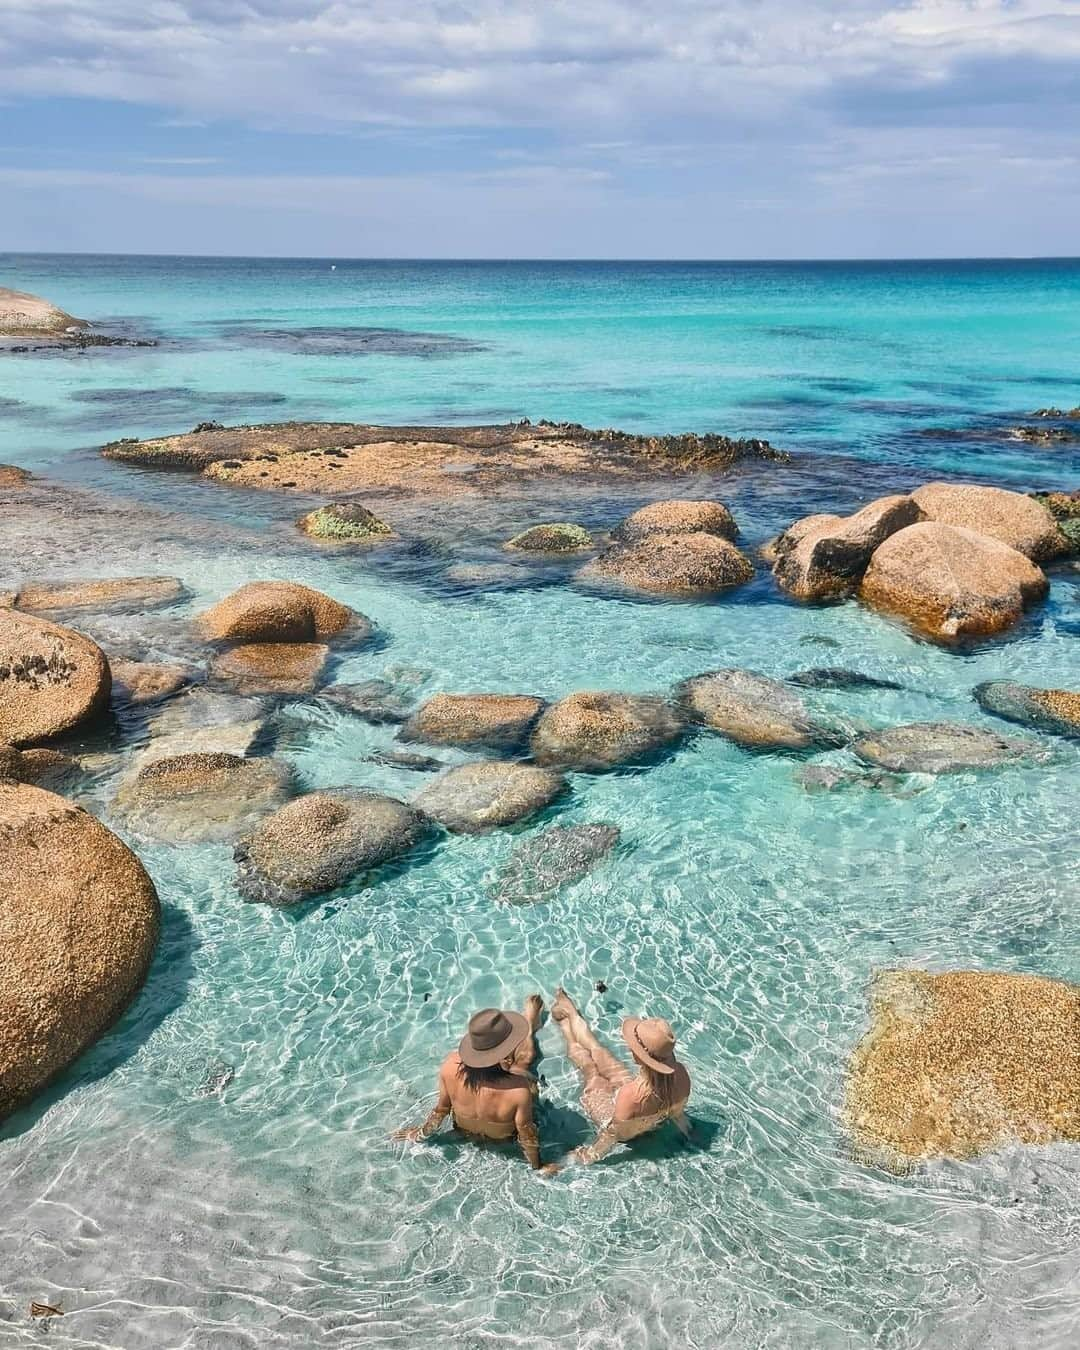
x=202 y=795
x=1053 y=710
x=347 y=523
x=12 y=478
x=541 y=866
x=279 y=611
x=474 y=798
x=824 y=557
x=949 y=582
x=271 y=667
x=939 y=747
x=1010 y=517
x=677 y=517
x=25 y=315
x=671 y=564
x=1065 y=508
x=958 y=1063
x=495 y=721
x=753 y=711
x=551 y=538
x=321 y=841
x=51 y=679
x=107 y=593
x=593 y=731
x=139 y=683
x=78 y=927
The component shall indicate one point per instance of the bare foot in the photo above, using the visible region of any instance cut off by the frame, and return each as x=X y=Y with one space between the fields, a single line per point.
x=562 y=1005
x=533 y=1010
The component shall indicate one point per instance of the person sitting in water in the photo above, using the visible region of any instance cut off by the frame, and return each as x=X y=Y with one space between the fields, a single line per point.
x=486 y=1082
x=622 y=1104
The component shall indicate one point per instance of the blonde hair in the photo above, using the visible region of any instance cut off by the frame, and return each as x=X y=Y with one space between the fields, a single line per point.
x=660 y=1085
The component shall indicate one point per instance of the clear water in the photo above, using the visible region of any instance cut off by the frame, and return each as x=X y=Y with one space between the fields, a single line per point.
x=747 y=910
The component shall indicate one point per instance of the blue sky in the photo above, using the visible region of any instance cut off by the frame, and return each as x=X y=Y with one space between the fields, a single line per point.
x=495 y=128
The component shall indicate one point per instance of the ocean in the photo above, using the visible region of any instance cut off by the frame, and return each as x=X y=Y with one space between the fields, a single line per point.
x=218 y=1172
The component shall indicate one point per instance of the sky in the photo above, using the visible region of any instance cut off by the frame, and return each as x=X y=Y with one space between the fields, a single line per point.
x=550 y=128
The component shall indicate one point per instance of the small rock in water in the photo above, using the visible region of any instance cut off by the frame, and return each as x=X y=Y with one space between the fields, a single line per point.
x=495 y=721
x=753 y=711
x=218 y=1077
x=939 y=747
x=1053 y=710
x=271 y=667
x=829 y=778
x=600 y=987
x=404 y=759
x=540 y=866
x=818 y=640
x=198 y=797
x=374 y=700
x=552 y=538
x=593 y=731
x=346 y=522
x=476 y=797
x=834 y=677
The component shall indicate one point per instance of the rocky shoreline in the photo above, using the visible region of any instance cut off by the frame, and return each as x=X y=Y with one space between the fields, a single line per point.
x=30 y=324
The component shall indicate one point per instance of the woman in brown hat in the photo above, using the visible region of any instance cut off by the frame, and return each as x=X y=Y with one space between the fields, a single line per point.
x=623 y=1104
x=486 y=1082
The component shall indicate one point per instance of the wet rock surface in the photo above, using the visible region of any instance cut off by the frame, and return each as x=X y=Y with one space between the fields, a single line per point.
x=44 y=767
x=476 y=797
x=824 y=557
x=201 y=796
x=835 y=677
x=346 y=522
x=551 y=538
x=677 y=516
x=12 y=477
x=671 y=564
x=322 y=840
x=496 y=721
x=52 y=679
x=280 y=668
x=143 y=682
x=593 y=730
x=541 y=866
x=955 y=1064
x=832 y=778
x=78 y=927
x=405 y=759
x=205 y=720
x=939 y=747
x=99 y=594
x=753 y=711
x=1009 y=517
x=376 y=700
x=280 y=611
x=1053 y=710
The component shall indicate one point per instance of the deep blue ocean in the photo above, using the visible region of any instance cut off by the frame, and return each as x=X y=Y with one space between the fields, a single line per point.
x=162 y=1206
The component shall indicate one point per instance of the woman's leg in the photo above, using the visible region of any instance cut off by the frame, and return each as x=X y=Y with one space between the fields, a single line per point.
x=525 y=1054
x=601 y=1073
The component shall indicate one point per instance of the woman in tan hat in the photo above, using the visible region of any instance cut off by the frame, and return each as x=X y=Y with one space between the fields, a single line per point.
x=623 y=1104
x=486 y=1082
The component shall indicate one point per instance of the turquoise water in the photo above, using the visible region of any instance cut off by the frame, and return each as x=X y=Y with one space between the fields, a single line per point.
x=747 y=910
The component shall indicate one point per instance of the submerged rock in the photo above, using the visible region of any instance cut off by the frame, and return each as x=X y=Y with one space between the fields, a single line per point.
x=939 y=747
x=677 y=517
x=279 y=611
x=672 y=564
x=78 y=927
x=497 y=721
x=1010 y=517
x=824 y=557
x=403 y=759
x=593 y=731
x=320 y=841
x=141 y=682
x=561 y=855
x=51 y=679
x=204 y=720
x=1053 y=710
x=556 y=538
x=830 y=778
x=201 y=796
x=491 y=575
x=43 y=768
x=375 y=700
x=473 y=798
x=834 y=677
x=106 y=593
x=958 y=1063
x=271 y=667
x=347 y=522
x=753 y=711
x=950 y=582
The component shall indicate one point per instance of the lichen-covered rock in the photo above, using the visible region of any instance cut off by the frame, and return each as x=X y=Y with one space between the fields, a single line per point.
x=949 y=582
x=497 y=721
x=671 y=564
x=561 y=855
x=1065 y=508
x=677 y=517
x=1053 y=710
x=142 y=682
x=593 y=730
x=279 y=611
x=1010 y=517
x=202 y=796
x=939 y=747
x=753 y=711
x=826 y=560
x=79 y=923
x=346 y=522
x=551 y=538
x=105 y=593
x=271 y=667
x=956 y=1064
x=51 y=679
x=318 y=842
x=474 y=798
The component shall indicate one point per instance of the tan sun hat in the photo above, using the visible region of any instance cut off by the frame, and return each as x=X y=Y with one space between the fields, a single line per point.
x=652 y=1041
x=492 y=1035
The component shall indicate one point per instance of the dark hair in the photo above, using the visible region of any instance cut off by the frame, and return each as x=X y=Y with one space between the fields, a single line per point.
x=475 y=1079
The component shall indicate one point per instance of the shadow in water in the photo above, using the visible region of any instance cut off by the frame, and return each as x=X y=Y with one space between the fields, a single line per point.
x=164 y=991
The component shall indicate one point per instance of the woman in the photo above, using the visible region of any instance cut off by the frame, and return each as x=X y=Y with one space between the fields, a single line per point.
x=622 y=1104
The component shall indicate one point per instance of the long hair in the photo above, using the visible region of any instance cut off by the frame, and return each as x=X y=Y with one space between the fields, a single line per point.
x=661 y=1085
x=475 y=1079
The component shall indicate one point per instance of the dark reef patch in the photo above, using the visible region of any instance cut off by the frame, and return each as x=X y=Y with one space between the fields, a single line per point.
x=348 y=341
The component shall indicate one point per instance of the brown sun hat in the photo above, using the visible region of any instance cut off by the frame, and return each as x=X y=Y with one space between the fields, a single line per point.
x=492 y=1035
x=652 y=1041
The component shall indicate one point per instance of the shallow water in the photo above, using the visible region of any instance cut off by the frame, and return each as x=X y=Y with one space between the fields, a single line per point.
x=217 y=1172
